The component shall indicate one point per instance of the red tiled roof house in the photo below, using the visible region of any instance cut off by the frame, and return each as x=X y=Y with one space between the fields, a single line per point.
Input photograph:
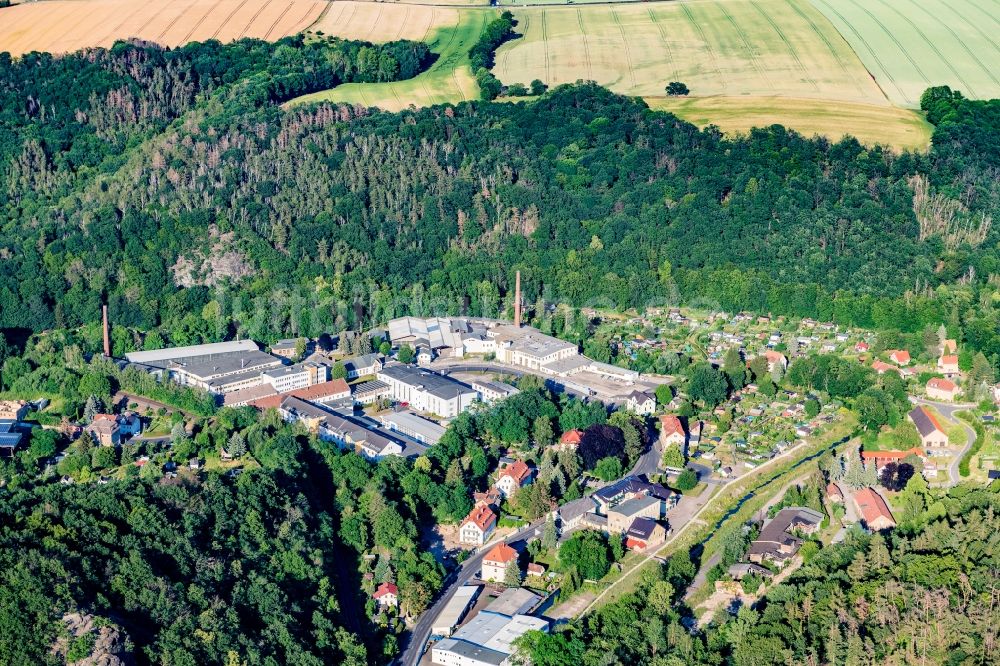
x=477 y=526
x=496 y=562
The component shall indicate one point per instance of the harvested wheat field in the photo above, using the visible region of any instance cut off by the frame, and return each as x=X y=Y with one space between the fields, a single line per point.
x=870 y=124
x=384 y=22
x=769 y=48
x=62 y=26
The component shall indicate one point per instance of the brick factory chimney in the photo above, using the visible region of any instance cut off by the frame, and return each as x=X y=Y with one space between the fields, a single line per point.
x=517 y=300
x=107 y=337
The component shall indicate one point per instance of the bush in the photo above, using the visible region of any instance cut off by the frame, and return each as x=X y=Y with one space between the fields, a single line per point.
x=686 y=481
x=675 y=88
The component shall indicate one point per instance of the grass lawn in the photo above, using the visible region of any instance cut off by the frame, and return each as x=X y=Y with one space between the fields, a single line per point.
x=448 y=80
x=868 y=123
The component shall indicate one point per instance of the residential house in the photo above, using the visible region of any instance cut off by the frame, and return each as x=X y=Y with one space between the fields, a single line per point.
x=513 y=477
x=672 y=431
x=491 y=498
x=881 y=367
x=941 y=389
x=862 y=347
x=948 y=365
x=477 y=526
x=873 y=510
x=949 y=347
x=105 y=430
x=535 y=569
x=13 y=410
x=931 y=433
x=496 y=562
x=386 y=596
x=775 y=359
x=834 y=493
x=899 y=357
x=643 y=533
x=363 y=366
x=641 y=403
x=776 y=542
x=570 y=440
x=882 y=458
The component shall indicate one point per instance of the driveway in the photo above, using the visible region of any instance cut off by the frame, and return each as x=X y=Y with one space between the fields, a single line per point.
x=470 y=569
x=947 y=410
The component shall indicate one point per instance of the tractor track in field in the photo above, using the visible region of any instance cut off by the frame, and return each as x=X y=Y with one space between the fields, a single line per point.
x=871 y=51
x=749 y=48
x=177 y=18
x=975 y=27
x=628 y=55
x=187 y=37
x=788 y=44
x=586 y=47
x=666 y=43
x=406 y=19
x=545 y=49
x=961 y=42
x=991 y=17
x=306 y=23
x=252 y=19
x=378 y=17
x=274 y=25
x=930 y=43
x=822 y=35
x=139 y=8
x=215 y=35
x=708 y=45
x=152 y=18
x=899 y=45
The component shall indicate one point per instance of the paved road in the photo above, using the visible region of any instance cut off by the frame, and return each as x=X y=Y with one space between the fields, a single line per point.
x=948 y=410
x=469 y=570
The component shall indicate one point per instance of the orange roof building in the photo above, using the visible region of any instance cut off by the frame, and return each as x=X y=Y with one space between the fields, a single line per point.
x=477 y=526
x=571 y=439
x=496 y=562
x=512 y=477
x=882 y=458
x=671 y=430
x=873 y=510
x=899 y=356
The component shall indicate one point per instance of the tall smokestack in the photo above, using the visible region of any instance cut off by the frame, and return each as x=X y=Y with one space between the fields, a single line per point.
x=107 y=337
x=517 y=300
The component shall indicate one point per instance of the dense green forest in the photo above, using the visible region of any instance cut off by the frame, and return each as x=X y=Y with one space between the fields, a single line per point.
x=924 y=594
x=128 y=170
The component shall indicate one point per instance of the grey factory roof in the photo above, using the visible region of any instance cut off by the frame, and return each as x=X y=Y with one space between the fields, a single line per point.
x=436 y=385
x=635 y=505
x=153 y=356
x=472 y=651
x=513 y=601
x=208 y=366
x=407 y=422
x=499 y=387
x=360 y=362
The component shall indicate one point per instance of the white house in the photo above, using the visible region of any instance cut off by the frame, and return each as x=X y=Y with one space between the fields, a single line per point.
x=477 y=526
x=641 y=403
x=513 y=477
x=496 y=562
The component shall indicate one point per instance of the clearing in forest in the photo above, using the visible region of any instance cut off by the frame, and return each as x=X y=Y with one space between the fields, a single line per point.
x=910 y=45
x=63 y=26
x=449 y=33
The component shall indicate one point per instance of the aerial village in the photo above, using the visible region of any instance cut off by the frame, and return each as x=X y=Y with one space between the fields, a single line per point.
x=394 y=392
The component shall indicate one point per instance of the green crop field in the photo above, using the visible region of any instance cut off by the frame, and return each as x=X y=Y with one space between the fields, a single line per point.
x=449 y=79
x=768 y=48
x=910 y=45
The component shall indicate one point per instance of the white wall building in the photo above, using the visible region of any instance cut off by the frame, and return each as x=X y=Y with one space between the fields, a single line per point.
x=427 y=392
